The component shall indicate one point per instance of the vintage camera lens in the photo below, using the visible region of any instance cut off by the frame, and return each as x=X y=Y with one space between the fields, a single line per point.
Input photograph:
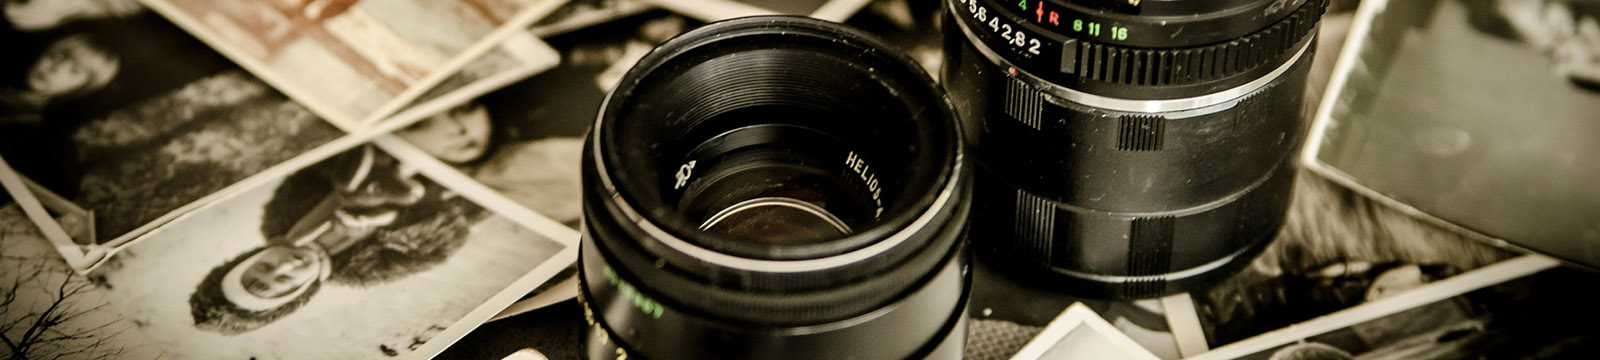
x=1126 y=148
x=775 y=188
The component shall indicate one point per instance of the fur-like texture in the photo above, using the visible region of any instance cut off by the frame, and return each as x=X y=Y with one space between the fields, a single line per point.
x=213 y=312
x=423 y=234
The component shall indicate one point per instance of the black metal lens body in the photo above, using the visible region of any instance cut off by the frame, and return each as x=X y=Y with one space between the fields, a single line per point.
x=775 y=188
x=1130 y=149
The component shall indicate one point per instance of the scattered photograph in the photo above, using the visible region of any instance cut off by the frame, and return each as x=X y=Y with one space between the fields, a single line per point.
x=525 y=140
x=48 y=310
x=360 y=255
x=1007 y=312
x=713 y=10
x=130 y=118
x=1540 y=316
x=1337 y=250
x=354 y=62
x=578 y=14
x=519 y=56
x=1079 y=333
x=1477 y=114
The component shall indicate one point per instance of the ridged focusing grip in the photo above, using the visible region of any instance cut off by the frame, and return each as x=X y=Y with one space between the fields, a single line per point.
x=1162 y=67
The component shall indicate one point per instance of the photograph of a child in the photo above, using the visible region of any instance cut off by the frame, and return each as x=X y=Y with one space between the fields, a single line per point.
x=525 y=140
x=357 y=256
x=126 y=115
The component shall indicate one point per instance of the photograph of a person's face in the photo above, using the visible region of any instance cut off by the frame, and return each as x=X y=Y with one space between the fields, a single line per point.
x=357 y=256
x=129 y=117
x=525 y=140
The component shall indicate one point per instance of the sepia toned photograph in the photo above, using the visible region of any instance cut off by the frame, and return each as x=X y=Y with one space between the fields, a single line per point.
x=357 y=256
x=713 y=10
x=1479 y=114
x=525 y=140
x=1336 y=251
x=354 y=62
x=520 y=55
x=50 y=311
x=128 y=117
x=1079 y=333
x=1533 y=317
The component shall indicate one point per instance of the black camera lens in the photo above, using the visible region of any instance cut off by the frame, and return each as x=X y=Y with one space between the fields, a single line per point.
x=775 y=188
x=1126 y=148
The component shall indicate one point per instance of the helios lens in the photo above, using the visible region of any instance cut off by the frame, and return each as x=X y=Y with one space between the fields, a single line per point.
x=775 y=188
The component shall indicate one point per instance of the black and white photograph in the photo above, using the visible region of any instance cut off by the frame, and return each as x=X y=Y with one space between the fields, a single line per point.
x=1539 y=316
x=48 y=310
x=354 y=62
x=357 y=256
x=129 y=117
x=525 y=140
x=1079 y=333
x=1478 y=114
x=519 y=56
x=713 y=10
x=1337 y=250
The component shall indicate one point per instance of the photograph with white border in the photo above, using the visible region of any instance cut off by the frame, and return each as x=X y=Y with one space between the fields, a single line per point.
x=1079 y=333
x=354 y=62
x=1524 y=308
x=361 y=255
x=1477 y=115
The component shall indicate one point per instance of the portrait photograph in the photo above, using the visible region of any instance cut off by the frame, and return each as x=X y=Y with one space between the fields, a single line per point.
x=360 y=255
x=132 y=119
x=525 y=140
x=352 y=61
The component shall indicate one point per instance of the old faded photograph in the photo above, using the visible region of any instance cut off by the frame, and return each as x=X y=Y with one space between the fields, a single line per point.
x=49 y=311
x=353 y=61
x=1337 y=250
x=525 y=140
x=130 y=118
x=520 y=55
x=1540 y=316
x=1480 y=113
x=356 y=256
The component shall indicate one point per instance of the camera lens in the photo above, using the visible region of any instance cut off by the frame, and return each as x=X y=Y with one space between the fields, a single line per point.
x=1126 y=148
x=775 y=188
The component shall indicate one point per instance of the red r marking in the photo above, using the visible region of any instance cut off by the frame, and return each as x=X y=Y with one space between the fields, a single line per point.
x=1053 y=18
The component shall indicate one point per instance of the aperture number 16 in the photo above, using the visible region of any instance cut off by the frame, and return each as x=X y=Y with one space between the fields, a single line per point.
x=1015 y=37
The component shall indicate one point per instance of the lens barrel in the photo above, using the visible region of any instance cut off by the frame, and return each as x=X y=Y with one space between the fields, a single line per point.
x=776 y=188
x=1130 y=149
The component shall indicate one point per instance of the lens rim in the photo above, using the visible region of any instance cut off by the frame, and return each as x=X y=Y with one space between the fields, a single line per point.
x=897 y=225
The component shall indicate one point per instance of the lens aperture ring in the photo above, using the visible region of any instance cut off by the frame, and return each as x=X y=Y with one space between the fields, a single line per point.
x=1089 y=60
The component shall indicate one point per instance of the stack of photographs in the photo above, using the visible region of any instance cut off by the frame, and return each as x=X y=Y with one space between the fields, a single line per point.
x=400 y=178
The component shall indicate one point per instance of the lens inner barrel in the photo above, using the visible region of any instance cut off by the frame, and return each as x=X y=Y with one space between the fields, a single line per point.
x=775 y=187
x=1130 y=151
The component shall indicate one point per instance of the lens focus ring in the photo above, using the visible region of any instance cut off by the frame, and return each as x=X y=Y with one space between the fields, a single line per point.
x=1091 y=59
